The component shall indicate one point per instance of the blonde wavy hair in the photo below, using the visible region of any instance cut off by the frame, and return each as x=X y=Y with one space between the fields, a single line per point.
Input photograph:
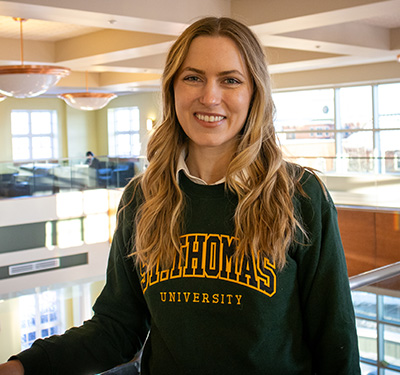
x=258 y=175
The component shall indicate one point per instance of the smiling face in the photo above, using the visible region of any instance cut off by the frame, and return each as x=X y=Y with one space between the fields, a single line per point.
x=213 y=90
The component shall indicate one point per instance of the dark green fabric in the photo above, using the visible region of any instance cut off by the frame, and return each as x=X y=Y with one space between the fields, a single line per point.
x=213 y=315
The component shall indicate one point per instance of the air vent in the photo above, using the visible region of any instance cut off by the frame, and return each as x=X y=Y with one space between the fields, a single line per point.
x=19 y=269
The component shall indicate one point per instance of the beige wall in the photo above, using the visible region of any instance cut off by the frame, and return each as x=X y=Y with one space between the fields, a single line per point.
x=79 y=131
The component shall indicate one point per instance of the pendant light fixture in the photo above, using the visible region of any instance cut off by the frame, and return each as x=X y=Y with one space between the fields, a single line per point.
x=27 y=81
x=87 y=101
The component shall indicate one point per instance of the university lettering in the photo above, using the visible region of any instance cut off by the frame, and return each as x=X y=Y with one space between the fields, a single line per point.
x=210 y=256
x=197 y=297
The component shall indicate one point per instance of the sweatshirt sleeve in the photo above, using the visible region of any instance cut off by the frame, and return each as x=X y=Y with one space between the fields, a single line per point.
x=117 y=330
x=324 y=286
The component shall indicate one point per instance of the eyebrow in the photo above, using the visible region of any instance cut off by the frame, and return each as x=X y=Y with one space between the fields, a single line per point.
x=220 y=74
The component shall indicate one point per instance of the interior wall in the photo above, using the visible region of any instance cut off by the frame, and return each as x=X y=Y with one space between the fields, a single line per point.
x=371 y=238
x=79 y=131
x=9 y=104
x=341 y=76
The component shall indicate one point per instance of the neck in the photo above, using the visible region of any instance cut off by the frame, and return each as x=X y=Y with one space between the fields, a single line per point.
x=209 y=165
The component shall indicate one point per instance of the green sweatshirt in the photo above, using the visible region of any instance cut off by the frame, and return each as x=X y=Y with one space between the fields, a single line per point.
x=213 y=315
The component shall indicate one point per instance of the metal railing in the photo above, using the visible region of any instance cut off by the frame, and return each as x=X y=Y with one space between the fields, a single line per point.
x=374 y=276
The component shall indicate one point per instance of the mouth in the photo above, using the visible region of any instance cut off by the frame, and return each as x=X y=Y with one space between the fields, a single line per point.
x=209 y=118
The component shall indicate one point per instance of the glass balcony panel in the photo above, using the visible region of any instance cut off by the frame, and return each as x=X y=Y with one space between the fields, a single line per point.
x=391 y=372
x=367 y=339
x=391 y=337
x=367 y=369
x=364 y=304
x=391 y=309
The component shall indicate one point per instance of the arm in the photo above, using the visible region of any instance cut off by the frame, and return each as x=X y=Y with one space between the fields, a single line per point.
x=116 y=331
x=325 y=294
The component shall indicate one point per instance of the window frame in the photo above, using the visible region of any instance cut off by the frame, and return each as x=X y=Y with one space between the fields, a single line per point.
x=31 y=136
x=132 y=131
x=378 y=156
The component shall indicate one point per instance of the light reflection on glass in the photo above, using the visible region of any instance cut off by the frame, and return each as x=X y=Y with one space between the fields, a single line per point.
x=69 y=233
x=96 y=228
x=95 y=201
x=69 y=204
x=391 y=337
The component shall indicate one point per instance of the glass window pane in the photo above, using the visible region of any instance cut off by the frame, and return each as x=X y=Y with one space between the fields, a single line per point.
x=388 y=106
x=135 y=144
x=367 y=339
x=368 y=369
x=391 y=309
x=45 y=332
x=390 y=372
x=19 y=122
x=123 y=144
x=388 y=99
x=33 y=124
x=389 y=149
x=69 y=233
x=41 y=122
x=321 y=164
x=320 y=143
x=356 y=147
x=135 y=122
x=304 y=110
x=391 y=336
x=355 y=108
x=364 y=303
x=21 y=148
x=41 y=148
x=389 y=122
x=122 y=122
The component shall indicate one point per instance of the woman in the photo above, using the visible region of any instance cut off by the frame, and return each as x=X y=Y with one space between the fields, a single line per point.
x=228 y=254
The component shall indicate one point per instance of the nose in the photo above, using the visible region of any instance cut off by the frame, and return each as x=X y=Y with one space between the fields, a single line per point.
x=211 y=94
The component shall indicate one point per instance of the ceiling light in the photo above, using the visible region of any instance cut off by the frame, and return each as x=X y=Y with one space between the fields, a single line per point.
x=26 y=81
x=87 y=101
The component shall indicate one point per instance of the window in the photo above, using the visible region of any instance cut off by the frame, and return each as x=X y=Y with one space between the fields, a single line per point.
x=305 y=122
x=378 y=330
x=40 y=317
x=347 y=129
x=123 y=131
x=34 y=134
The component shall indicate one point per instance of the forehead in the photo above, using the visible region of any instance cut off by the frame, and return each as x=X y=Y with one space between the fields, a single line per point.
x=214 y=52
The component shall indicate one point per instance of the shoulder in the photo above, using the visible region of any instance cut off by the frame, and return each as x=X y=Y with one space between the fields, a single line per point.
x=130 y=202
x=132 y=194
x=311 y=194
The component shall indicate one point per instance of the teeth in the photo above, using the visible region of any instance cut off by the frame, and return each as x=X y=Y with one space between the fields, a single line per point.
x=209 y=118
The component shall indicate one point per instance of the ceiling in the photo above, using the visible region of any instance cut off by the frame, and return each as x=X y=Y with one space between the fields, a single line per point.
x=122 y=44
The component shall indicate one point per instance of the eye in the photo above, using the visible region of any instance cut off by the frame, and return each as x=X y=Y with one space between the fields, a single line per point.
x=232 y=81
x=191 y=79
